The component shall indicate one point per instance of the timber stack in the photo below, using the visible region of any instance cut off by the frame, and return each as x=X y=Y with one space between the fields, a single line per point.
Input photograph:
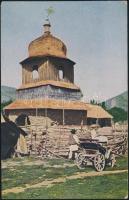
x=57 y=139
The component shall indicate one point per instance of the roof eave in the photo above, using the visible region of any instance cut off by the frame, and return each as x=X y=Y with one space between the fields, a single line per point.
x=44 y=56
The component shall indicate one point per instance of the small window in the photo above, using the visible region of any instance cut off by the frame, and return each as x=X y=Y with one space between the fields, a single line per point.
x=35 y=74
x=61 y=75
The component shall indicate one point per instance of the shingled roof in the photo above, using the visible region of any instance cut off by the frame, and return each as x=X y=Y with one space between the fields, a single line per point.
x=48 y=103
x=95 y=111
x=40 y=57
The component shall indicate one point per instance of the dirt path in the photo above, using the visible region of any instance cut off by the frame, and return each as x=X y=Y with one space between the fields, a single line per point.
x=49 y=183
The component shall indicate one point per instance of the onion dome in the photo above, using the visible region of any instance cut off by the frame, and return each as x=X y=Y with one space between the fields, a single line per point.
x=47 y=44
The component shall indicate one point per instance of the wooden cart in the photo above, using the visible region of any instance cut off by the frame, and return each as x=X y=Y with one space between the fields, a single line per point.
x=93 y=153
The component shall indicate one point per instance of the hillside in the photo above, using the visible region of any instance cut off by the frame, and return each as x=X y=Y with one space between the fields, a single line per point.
x=120 y=101
x=7 y=93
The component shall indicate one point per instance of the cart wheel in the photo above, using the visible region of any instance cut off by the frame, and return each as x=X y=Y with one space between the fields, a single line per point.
x=79 y=161
x=99 y=162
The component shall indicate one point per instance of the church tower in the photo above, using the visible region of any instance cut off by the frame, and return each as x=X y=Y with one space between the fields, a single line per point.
x=48 y=82
x=47 y=71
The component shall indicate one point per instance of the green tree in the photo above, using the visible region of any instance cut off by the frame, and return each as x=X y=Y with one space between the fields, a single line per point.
x=103 y=105
x=5 y=104
x=118 y=114
x=92 y=101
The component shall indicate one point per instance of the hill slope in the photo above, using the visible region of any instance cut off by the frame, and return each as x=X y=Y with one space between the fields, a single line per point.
x=120 y=101
x=7 y=93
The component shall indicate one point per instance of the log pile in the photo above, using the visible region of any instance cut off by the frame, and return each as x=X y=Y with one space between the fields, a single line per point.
x=117 y=139
x=56 y=140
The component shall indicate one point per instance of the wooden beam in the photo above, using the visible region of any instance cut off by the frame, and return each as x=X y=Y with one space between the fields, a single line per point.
x=63 y=118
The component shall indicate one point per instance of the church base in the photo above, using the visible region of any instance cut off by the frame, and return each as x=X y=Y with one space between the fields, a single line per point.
x=61 y=117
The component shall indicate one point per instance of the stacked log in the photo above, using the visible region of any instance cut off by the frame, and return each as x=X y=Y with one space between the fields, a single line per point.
x=57 y=139
x=117 y=139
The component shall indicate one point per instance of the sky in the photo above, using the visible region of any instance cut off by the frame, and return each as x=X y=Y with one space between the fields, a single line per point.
x=95 y=33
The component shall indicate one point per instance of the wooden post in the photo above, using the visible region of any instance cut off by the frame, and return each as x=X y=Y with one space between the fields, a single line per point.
x=46 y=110
x=35 y=142
x=63 y=117
x=36 y=128
x=31 y=137
x=46 y=118
x=82 y=123
x=36 y=116
x=36 y=112
x=63 y=112
x=97 y=120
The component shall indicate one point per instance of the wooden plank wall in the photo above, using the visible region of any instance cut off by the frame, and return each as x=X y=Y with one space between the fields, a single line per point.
x=48 y=69
x=50 y=92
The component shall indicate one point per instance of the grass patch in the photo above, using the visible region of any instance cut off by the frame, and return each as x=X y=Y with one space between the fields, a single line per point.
x=121 y=163
x=90 y=187
x=58 y=161
x=104 y=187
x=22 y=175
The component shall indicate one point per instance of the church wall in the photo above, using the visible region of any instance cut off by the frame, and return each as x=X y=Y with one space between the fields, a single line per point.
x=50 y=92
x=75 y=117
x=48 y=69
x=69 y=73
x=65 y=66
x=71 y=117
x=26 y=74
x=53 y=71
x=102 y=121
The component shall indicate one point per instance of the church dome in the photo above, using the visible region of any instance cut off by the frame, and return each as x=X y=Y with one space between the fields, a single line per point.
x=47 y=44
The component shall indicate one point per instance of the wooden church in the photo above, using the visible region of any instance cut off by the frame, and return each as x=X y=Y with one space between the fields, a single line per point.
x=48 y=87
x=48 y=83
